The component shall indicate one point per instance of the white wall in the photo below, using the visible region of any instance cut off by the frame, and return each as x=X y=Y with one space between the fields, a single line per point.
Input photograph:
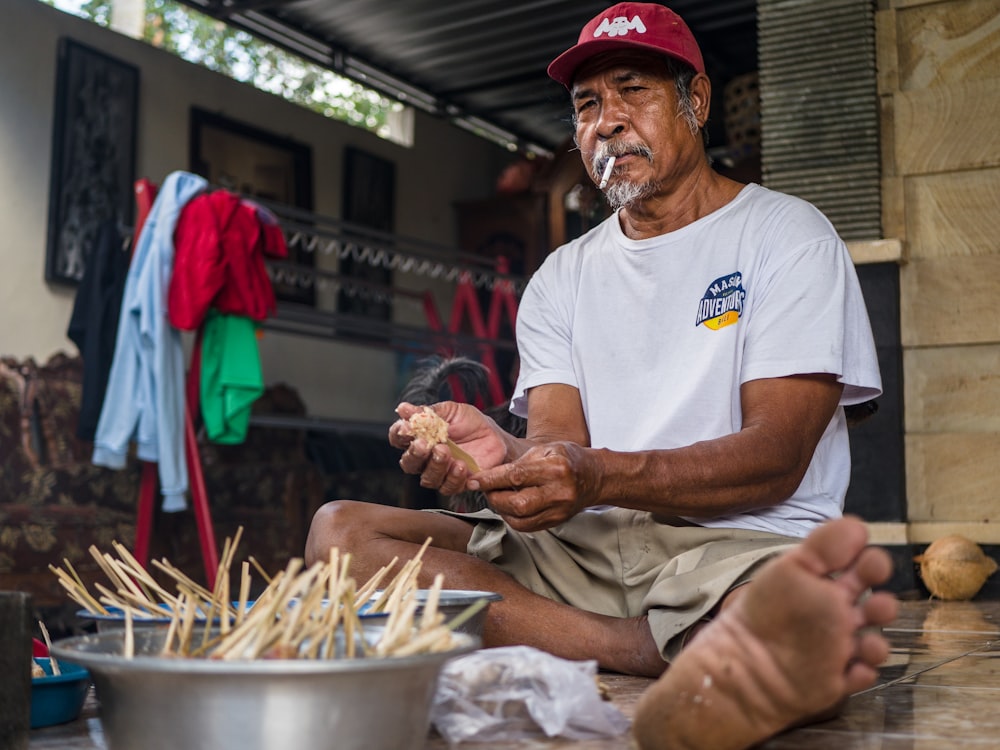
x=445 y=165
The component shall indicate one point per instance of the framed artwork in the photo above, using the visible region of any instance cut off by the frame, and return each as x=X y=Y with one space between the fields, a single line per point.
x=258 y=164
x=93 y=155
x=369 y=200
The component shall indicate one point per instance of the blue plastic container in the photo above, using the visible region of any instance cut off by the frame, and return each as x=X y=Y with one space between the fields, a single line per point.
x=57 y=699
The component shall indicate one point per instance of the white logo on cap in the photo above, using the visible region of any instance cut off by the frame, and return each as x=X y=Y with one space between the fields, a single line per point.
x=620 y=26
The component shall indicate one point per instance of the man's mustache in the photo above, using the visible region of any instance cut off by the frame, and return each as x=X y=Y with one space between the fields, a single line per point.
x=611 y=148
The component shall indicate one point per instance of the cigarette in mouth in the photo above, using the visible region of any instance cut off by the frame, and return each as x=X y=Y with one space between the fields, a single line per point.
x=607 y=173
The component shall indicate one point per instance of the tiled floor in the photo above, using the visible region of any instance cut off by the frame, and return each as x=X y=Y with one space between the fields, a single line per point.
x=940 y=690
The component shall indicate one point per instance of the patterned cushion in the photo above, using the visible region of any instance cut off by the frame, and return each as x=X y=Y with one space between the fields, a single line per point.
x=55 y=504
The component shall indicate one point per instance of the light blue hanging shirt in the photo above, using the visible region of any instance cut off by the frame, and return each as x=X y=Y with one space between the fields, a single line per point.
x=144 y=401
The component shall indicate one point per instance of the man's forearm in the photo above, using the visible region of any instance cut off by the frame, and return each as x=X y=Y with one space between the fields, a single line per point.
x=717 y=477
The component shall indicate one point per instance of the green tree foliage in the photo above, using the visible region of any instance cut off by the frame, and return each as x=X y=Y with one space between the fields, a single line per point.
x=203 y=40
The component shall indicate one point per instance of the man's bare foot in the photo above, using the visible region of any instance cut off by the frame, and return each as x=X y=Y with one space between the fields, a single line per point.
x=792 y=647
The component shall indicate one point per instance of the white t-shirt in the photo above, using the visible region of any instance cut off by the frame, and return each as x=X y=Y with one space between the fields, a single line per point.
x=659 y=334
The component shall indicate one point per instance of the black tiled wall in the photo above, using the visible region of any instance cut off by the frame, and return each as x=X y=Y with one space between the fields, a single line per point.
x=878 y=487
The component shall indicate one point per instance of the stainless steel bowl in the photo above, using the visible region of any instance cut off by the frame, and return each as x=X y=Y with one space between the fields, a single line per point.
x=451 y=603
x=160 y=703
x=115 y=618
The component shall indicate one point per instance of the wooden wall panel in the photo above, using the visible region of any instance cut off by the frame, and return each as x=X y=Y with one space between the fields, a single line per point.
x=953 y=214
x=948 y=128
x=948 y=43
x=923 y=532
x=947 y=301
x=865 y=252
x=894 y=214
x=886 y=51
x=952 y=389
x=952 y=477
x=906 y=3
x=939 y=86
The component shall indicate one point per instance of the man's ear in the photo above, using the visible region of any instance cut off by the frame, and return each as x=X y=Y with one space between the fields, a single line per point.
x=701 y=97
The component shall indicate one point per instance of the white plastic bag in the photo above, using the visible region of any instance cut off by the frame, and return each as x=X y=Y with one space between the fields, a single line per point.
x=517 y=693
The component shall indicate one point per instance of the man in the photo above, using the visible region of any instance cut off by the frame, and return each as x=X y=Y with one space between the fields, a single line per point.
x=684 y=368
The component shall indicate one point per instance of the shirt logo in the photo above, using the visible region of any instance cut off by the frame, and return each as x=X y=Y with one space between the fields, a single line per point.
x=620 y=26
x=722 y=304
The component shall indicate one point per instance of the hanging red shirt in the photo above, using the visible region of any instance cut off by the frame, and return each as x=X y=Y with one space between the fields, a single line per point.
x=219 y=247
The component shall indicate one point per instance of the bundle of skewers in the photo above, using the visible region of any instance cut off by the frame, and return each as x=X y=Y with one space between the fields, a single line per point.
x=303 y=612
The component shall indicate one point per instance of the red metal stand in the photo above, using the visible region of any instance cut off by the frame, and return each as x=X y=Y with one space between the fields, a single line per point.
x=144 y=512
x=465 y=307
x=145 y=194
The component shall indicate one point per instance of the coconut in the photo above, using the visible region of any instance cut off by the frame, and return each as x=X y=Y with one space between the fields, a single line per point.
x=955 y=568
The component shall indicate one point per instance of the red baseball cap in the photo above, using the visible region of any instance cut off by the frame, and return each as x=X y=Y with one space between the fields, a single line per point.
x=645 y=26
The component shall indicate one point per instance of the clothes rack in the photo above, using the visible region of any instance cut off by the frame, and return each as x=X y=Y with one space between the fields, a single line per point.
x=145 y=194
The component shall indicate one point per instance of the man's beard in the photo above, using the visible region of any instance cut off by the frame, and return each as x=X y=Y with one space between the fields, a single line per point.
x=621 y=193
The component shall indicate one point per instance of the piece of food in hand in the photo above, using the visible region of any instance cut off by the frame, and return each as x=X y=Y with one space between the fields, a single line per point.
x=427 y=425
x=36 y=669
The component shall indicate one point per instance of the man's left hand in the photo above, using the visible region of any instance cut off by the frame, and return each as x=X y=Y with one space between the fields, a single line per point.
x=545 y=487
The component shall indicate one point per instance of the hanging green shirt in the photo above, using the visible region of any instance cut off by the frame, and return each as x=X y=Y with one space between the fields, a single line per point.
x=231 y=376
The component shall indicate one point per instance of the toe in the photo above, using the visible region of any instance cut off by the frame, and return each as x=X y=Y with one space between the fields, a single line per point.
x=872 y=649
x=835 y=546
x=880 y=608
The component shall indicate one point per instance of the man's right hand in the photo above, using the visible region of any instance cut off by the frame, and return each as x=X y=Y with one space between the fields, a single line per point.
x=469 y=428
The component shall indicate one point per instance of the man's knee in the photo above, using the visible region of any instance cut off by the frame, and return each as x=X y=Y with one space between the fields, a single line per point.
x=333 y=525
x=340 y=514
x=352 y=525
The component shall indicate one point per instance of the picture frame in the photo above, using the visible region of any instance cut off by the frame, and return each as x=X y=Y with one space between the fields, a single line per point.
x=93 y=155
x=256 y=163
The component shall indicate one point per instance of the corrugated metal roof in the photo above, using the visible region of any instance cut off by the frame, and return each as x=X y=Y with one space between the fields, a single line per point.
x=478 y=60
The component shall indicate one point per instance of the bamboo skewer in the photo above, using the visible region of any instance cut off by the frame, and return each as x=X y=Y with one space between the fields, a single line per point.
x=48 y=645
x=430 y=616
x=73 y=583
x=87 y=602
x=180 y=578
x=241 y=609
x=260 y=570
x=127 y=578
x=172 y=629
x=301 y=613
x=369 y=588
x=129 y=650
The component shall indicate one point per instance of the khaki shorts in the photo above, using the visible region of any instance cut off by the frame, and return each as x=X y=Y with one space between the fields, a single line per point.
x=626 y=563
